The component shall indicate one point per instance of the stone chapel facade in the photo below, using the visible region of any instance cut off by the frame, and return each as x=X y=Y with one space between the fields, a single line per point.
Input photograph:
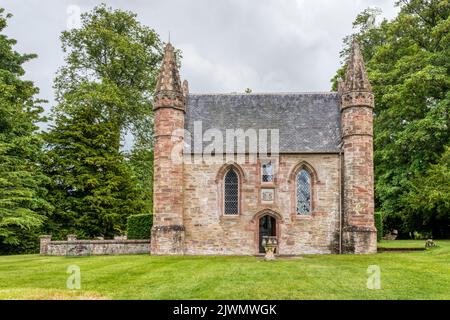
x=315 y=192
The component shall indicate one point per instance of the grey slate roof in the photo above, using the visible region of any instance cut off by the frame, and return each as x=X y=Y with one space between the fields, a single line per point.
x=307 y=122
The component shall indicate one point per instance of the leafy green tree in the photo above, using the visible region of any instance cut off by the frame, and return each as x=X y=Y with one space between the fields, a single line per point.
x=141 y=162
x=22 y=183
x=429 y=196
x=103 y=91
x=115 y=55
x=409 y=67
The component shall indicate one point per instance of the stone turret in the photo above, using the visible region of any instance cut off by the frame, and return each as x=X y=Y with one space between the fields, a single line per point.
x=359 y=233
x=168 y=232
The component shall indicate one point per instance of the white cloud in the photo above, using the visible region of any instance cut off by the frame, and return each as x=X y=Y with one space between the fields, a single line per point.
x=227 y=75
x=266 y=45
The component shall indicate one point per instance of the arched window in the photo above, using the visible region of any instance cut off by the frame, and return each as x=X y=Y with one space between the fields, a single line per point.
x=231 y=193
x=303 y=192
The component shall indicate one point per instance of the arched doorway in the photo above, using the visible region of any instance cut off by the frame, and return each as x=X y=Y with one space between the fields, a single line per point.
x=267 y=227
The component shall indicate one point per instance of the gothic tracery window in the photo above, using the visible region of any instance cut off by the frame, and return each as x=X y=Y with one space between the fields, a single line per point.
x=303 y=189
x=231 y=193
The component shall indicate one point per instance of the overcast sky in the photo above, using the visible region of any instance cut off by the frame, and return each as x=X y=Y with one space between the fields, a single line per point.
x=228 y=45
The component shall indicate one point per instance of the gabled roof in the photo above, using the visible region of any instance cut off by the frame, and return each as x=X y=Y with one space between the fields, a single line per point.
x=307 y=122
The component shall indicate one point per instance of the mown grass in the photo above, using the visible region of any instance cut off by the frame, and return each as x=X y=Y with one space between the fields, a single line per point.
x=404 y=275
x=402 y=244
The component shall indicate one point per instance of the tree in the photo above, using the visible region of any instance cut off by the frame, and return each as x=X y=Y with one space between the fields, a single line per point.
x=103 y=90
x=141 y=162
x=408 y=65
x=429 y=195
x=113 y=54
x=22 y=183
x=94 y=188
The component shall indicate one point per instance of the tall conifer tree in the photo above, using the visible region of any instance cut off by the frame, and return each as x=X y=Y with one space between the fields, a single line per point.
x=22 y=193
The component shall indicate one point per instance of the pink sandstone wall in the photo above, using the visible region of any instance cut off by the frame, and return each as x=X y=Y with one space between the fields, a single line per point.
x=208 y=231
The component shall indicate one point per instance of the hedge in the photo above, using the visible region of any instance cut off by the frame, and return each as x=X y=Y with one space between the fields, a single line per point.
x=139 y=226
x=379 y=226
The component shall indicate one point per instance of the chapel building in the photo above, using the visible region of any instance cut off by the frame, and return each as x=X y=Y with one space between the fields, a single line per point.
x=232 y=168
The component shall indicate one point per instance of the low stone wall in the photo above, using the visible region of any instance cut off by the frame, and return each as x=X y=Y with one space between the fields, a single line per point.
x=74 y=247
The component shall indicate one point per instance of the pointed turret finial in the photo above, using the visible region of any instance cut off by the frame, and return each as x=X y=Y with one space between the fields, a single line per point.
x=168 y=86
x=356 y=76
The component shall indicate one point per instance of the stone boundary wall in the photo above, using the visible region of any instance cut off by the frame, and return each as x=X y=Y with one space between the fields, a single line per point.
x=74 y=247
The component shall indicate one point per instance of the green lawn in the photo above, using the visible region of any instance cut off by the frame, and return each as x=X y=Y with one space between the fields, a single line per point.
x=404 y=275
x=403 y=244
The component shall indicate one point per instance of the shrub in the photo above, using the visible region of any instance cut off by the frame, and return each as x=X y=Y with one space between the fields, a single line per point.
x=139 y=226
x=379 y=226
x=28 y=242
